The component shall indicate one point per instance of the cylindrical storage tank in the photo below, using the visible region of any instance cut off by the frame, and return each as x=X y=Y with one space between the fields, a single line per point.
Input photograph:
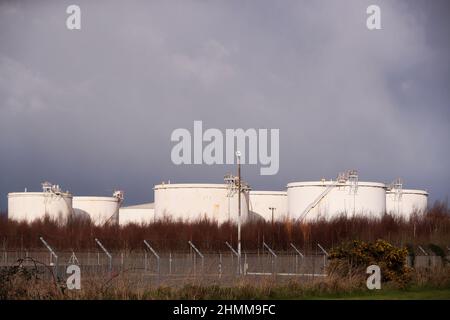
x=332 y=199
x=406 y=202
x=262 y=202
x=29 y=206
x=137 y=214
x=190 y=202
x=100 y=210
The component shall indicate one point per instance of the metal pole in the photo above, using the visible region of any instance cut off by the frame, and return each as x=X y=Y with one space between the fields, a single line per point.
x=323 y=250
x=272 y=209
x=199 y=253
x=52 y=253
x=106 y=252
x=231 y=248
x=238 y=155
x=296 y=256
x=233 y=252
x=155 y=254
x=274 y=256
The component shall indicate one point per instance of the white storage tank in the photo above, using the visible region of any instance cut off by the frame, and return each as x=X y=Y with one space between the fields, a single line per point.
x=138 y=214
x=51 y=202
x=405 y=202
x=100 y=210
x=313 y=200
x=190 y=202
x=263 y=203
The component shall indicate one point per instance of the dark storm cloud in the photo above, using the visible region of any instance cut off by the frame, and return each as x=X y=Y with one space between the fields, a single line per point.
x=93 y=109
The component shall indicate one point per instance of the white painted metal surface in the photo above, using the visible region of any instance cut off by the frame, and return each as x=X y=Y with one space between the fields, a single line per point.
x=406 y=202
x=138 y=214
x=29 y=206
x=190 y=202
x=260 y=203
x=333 y=198
x=100 y=210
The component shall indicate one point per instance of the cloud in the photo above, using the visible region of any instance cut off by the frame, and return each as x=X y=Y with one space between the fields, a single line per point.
x=94 y=109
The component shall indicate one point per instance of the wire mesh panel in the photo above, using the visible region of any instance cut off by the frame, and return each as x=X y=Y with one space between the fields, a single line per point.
x=179 y=268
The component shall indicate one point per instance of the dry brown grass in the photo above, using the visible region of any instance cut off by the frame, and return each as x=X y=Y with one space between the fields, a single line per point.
x=126 y=288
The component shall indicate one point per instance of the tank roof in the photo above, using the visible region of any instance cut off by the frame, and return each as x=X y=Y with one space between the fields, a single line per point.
x=326 y=183
x=33 y=194
x=411 y=191
x=274 y=193
x=191 y=185
x=150 y=205
x=94 y=198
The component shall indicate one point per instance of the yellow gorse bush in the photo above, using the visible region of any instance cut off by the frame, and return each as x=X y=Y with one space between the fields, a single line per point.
x=357 y=255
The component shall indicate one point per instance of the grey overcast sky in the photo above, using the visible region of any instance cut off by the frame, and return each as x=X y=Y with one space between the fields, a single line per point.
x=93 y=110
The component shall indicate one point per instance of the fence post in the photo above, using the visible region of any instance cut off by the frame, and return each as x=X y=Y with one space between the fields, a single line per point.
x=324 y=257
x=233 y=252
x=274 y=256
x=156 y=255
x=106 y=252
x=52 y=253
x=296 y=256
x=200 y=254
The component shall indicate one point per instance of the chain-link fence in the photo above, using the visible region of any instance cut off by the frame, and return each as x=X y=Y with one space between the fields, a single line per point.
x=179 y=267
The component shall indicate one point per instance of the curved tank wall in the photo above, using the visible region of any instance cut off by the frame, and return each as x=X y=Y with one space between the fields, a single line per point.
x=408 y=202
x=100 y=210
x=260 y=203
x=369 y=199
x=138 y=214
x=190 y=202
x=29 y=206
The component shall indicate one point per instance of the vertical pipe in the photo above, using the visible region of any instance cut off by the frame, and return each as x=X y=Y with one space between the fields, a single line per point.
x=239 y=210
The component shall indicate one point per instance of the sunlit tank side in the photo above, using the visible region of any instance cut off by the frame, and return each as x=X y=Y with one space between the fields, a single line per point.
x=137 y=214
x=406 y=202
x=190 y=202
x=30 y=206
x=100 y=210
x=368 y=198
x=261 y=202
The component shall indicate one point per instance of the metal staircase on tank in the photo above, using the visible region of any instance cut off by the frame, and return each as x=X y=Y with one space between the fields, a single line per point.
x=342 y=178
x=397 y=188
x=119 y=194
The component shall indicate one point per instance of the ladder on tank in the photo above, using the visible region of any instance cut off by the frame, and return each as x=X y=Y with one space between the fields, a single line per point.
x=342 y=178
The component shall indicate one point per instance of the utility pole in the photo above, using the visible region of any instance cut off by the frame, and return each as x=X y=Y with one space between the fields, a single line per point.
x=238 y=156
x=272 y=209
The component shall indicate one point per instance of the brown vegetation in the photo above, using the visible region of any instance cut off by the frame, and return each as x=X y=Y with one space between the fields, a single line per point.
x=431 y=227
